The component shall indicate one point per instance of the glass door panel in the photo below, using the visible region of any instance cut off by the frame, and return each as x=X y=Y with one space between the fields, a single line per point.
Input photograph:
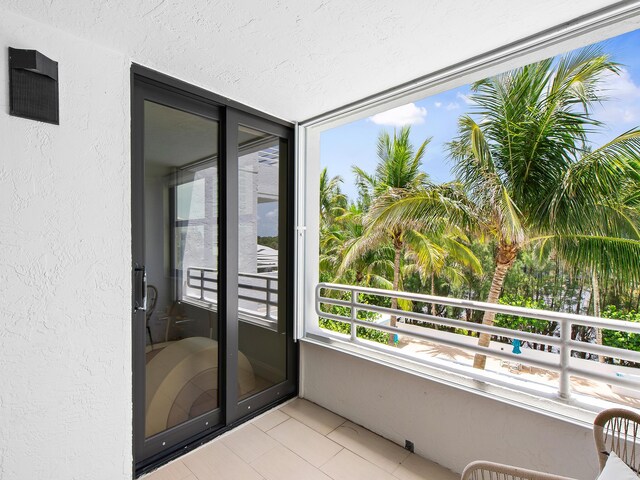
x=262 y=342
x=181 y=261
x=211 y=248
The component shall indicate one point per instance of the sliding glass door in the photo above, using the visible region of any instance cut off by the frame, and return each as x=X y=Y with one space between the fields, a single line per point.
x=259 y=320
x=211 y=235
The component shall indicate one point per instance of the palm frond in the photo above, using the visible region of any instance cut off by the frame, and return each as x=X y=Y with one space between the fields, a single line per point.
x=461 y=254
x=597 y=183
x=611 y=257
x=424 y=208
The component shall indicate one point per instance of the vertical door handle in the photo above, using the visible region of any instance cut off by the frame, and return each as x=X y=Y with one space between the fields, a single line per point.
x=140 y=288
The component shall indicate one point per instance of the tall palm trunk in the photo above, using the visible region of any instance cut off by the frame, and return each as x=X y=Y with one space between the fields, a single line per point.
x=433 y=294
x=397 y=246
x=504 y=260
x=596 y=309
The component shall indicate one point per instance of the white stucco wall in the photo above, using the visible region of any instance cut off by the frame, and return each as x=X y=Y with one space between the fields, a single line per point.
x=296 y=59
x=65 y=335
x=65 y=322
x=447 y=425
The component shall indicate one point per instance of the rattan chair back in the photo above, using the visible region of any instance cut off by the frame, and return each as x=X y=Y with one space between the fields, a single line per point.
x=618 y=430
x=496 y=471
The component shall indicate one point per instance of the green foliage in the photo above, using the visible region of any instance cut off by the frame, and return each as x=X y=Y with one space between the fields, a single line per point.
x=527 y=183
x=271 y=242
x=614 y=338
x=525 y=324
x=362 y=332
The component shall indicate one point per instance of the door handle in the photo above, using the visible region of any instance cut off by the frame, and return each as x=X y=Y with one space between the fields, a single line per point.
x=140 y=288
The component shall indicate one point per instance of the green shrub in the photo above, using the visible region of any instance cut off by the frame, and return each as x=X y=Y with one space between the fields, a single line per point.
x=525 y=324
x=617 y=339
x=364 y=333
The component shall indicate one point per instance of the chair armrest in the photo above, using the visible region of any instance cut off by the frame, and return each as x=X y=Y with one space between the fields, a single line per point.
x=480 y=470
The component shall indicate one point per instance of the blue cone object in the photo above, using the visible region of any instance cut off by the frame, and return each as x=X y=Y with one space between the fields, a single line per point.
x=516 y=346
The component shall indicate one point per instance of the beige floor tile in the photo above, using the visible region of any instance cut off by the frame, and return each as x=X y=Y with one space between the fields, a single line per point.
x=347 y=465
x=270 y=420
x=321 y=420
x=217 y=462
x=175 y=470
x=249 y=442
x=282 y=464
x=415 y=467
x=305 y=442
x=380 y=451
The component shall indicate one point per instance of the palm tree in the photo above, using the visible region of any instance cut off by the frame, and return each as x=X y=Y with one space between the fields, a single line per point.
x=527 y=167
x=371 y=268
x=418 y=244
x=440 y=251
x=332 y=205
x=398 y=173
x=332 y=200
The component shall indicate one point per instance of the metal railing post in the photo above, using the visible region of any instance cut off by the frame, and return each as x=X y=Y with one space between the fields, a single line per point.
x=202 y=284
x=565 y=337
x=354 y=296
x=268 y=298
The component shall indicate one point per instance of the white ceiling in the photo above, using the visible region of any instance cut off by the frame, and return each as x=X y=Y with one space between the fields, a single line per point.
x=299 y=58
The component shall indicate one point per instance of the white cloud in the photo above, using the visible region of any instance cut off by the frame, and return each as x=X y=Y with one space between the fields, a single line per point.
x=465 y=98
x=453 y=106
x=438 y=104
x=623 y=104
x=630 y=115
x=409 y=114
x=613 y=115
x=621 y=86
x=272 y=214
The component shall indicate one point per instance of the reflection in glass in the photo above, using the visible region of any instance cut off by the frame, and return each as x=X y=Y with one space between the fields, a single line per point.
x=259 y=338
x=181 y=242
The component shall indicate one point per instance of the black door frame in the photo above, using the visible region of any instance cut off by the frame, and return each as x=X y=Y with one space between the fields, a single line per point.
x=148 y=84
x=236 y=410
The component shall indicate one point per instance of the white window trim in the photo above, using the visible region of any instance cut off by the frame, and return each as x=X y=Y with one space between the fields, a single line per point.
x=595 y=27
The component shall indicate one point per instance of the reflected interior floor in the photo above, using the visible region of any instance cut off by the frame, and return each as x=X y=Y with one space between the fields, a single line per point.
x=261 y=384
x=208 y=400
x=300 y=440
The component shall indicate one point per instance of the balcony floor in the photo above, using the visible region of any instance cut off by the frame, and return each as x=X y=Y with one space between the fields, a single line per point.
x=301 y=440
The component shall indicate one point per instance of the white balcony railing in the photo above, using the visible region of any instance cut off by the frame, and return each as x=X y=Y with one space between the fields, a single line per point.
x=560 y=344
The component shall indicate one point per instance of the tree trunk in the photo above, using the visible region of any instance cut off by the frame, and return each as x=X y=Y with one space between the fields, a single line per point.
x=579 y=304
x=596 y=309
x=433 y=293
x=504 y=260
x=397 y=245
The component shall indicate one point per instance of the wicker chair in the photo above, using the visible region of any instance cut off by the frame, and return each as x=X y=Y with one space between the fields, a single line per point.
x=618 y=430
x=496 y=471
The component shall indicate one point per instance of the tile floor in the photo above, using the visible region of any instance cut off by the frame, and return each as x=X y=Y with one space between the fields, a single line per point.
x=301 y=441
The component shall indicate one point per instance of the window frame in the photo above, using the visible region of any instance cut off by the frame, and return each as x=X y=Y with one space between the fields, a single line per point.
x=595 y=27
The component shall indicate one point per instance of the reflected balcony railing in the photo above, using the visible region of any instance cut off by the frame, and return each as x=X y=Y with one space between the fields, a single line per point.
x=257 y=293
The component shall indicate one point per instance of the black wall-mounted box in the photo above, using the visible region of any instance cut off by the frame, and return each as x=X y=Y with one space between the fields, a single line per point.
x=33 y=86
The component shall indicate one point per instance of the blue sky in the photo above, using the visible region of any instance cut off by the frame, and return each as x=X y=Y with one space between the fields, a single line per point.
x=436 y=117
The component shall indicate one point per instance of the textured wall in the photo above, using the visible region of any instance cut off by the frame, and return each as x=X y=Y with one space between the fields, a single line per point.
x=65 y=342
x=447 y=425
x=296 y=59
